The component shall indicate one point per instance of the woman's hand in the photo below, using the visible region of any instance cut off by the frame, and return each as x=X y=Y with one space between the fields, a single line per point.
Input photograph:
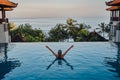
x=46 y=46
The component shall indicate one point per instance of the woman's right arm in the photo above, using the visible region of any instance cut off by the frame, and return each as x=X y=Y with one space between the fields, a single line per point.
x=52 y=52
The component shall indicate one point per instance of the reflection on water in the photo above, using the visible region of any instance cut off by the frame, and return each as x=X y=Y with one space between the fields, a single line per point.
x=60 y=63
x=114 y=62
x=6 y=64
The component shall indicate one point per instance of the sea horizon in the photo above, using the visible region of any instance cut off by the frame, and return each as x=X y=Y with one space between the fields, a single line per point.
x=46 y=23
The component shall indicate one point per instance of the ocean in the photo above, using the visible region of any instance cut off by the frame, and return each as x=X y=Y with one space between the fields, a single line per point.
x=46 y=24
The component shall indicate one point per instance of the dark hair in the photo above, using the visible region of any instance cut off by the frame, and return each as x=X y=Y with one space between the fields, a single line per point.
x=59 y=52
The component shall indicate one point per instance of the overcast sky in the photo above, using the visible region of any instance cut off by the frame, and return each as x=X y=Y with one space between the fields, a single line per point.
x=59 y=8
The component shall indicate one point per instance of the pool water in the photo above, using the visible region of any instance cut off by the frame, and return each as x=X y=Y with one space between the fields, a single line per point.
x=85 y=61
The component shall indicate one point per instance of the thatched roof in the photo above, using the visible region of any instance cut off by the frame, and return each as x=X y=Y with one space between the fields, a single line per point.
x=94 y=36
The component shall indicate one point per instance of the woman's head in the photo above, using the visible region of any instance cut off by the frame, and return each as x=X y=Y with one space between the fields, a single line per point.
x=59 y=52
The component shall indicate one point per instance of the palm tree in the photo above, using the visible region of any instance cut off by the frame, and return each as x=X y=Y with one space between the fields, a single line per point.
x=12 y=26
x=83 y=33
x=107 y=28
x=58 y=33
x=102 y=28
x=71 y=28
x=70 y=21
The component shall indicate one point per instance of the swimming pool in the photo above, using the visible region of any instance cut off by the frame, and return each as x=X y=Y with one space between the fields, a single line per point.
x=85 y=61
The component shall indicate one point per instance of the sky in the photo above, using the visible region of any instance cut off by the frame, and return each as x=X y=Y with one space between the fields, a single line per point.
x=59 y=8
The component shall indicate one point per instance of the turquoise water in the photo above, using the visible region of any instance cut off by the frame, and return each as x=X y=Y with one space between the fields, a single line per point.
x=85 y=61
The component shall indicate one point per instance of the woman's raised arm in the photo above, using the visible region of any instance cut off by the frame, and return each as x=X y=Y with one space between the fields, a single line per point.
x=52 y=52
x=67 y=51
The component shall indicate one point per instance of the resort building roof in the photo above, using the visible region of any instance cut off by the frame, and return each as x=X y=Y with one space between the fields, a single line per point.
x=6 y=9
x=113 y=8
x=113 y=3
x=6 y=5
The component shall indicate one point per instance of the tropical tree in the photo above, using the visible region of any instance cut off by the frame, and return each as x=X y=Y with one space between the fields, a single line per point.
x=27 y=34
x=104 y=28
x=75 y=28
x=82 y=35
x=12 y=26
x=57 y=33
x=107 y=28
x=70 y=30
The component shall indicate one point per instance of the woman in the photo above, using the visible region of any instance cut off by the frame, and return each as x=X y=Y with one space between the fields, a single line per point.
x=60 y=55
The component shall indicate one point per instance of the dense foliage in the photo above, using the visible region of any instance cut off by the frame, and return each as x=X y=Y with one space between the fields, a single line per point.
x=27 y=34
x=61 y=32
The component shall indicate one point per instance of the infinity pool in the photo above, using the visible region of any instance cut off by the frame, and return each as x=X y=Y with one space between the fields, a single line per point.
x=85 y=61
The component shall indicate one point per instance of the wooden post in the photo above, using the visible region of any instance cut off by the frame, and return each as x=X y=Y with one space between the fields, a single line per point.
x=3 y=15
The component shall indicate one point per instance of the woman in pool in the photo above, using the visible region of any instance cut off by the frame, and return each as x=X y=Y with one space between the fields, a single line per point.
x=60 y=55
